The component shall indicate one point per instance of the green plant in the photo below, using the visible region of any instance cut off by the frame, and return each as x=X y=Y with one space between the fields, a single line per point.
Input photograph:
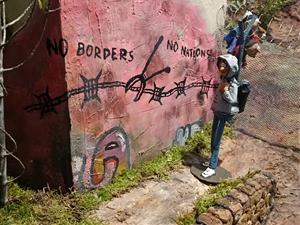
x=268 y=8
x=186 y=219
x=201 y=139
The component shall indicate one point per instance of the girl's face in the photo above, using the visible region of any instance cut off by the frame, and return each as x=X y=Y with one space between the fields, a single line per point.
x=224 y=69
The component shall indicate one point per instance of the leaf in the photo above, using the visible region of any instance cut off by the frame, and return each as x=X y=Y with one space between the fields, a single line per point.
x=43 y=4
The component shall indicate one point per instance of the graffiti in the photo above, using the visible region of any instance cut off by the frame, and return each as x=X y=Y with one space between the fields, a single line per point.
x=105 y=53
x=142 y=78
x=183 y=133
x=91 y=88
x=47 y=104
x=188 y=52
x=61 y=48
x=90 y=93
x=110 y=156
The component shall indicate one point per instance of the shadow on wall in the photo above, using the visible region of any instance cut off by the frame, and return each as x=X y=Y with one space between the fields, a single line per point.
x=43 y=145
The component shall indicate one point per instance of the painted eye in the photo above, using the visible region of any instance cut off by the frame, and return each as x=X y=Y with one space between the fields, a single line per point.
x=111 y=145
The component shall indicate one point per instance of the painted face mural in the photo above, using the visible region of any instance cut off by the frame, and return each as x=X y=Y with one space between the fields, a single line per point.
x=110 y=156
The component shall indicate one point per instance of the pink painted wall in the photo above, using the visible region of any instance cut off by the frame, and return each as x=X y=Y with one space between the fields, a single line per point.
x=117 y=118
x=111 y=83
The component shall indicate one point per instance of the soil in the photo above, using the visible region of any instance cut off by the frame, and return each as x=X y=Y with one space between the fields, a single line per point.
x=284 y=29
x=244 y=153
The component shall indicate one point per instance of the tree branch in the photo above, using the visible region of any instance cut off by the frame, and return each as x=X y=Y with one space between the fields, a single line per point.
x=32 y=52
x=4 y=23
x=21 y=16
x=20 y=28
x=52 y=10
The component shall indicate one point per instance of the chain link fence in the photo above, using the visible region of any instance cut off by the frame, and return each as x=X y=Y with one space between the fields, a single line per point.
x=273 y=109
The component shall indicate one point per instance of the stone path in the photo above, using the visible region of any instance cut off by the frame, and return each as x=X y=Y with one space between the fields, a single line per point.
x=154 y=202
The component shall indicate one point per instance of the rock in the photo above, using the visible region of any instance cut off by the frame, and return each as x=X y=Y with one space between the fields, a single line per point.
x=247 y=189
x=255 y=198
x=233 y=206
x=240 y=196
x=253 y=183
x=260 y=204
x=255 y=218
x=208 y=219
x=243 y=220
x=223 y=214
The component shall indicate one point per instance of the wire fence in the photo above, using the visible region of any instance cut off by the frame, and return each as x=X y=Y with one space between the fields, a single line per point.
x=273 y=109
x=272 y=112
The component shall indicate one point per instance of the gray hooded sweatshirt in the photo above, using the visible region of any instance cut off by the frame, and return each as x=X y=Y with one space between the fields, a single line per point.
x=227 y=102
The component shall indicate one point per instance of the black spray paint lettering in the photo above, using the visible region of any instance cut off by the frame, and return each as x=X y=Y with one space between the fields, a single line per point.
x=59 y=48
x=195 y=52
x=188 y=52
x=172 y=45
x=105 y=53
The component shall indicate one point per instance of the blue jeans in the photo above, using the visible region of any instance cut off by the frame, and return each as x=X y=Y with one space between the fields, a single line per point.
x=216 y=135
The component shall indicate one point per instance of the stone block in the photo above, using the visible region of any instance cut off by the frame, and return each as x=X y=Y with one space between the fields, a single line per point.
x=255 y=198
x=253 y=183
x=240 y=196
x=264 y=214
x=260 y=204
x=268 y=199
x=247 y=189
x=208 y=219
x=255 y=218
x=222 y=214
x=243 y=220
x=231 y=204
x=262 y=180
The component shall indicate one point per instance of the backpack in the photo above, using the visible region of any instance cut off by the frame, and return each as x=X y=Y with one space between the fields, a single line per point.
x=243 y=93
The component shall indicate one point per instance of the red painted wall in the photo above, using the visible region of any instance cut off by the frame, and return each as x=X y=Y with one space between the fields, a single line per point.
x=43 y=139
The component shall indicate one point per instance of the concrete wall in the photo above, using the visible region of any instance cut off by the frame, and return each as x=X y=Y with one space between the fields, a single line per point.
x=138 y=76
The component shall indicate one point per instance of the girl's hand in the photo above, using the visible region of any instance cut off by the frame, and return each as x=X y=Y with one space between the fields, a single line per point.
x=224 y=86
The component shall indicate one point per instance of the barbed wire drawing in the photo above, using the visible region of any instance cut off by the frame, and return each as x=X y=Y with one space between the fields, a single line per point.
x=46 y=104
x=91 y=87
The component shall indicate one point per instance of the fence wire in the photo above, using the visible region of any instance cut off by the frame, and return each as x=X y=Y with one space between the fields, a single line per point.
x=273 y=109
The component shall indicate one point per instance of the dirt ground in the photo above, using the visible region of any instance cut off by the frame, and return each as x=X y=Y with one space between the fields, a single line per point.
x=284 y=29
x=244 y=153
